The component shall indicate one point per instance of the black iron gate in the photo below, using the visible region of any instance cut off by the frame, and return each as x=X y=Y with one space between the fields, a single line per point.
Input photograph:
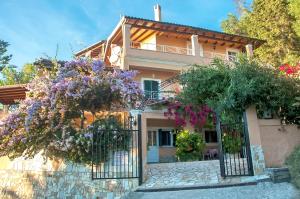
x=117 y=152
x=234 y=148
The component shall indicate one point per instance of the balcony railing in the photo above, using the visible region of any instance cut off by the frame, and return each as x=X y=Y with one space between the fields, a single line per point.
x=206 y=55
x=161 y=48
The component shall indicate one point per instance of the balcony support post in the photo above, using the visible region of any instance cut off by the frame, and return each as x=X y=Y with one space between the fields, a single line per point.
x=249 y=50
x=195 y=45
x=126 y=45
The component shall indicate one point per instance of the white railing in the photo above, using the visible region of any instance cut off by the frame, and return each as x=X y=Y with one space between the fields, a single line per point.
x=161 y=48
x=206 y=55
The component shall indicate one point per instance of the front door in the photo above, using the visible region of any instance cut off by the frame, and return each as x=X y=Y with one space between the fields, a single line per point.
x=153 y=148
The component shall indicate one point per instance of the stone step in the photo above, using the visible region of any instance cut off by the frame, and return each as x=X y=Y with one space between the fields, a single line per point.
x=190 y=187
x=279 y=175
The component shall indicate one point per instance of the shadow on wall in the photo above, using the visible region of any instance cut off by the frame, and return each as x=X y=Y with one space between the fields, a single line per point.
x=10 y=194
x=70 y=181
x=23 y=184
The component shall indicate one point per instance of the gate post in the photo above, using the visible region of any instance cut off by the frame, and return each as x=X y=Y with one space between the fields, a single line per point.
x=220 y=145
x=140 y=149
x=258 y=159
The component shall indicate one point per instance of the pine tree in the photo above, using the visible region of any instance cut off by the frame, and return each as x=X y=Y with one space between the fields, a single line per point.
x=4 y=59
x=272 y=21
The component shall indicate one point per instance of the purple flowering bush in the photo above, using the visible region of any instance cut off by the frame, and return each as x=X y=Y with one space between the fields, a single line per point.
x=47 y=120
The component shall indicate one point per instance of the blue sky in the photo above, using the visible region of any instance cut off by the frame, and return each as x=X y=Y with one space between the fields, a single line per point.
x=36 y=28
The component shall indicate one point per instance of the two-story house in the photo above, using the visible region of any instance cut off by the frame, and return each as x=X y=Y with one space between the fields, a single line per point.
x=160 y=50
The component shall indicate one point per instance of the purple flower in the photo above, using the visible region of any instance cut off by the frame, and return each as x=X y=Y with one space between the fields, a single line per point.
x=97 y=66
x=88 y=135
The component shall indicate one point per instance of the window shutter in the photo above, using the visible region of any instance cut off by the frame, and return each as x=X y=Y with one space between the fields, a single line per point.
x=174 y=139
x=147 y=85
x=160 y=137
x=155 y=86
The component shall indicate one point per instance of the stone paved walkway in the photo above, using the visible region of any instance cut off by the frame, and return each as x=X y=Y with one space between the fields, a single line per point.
x=187 y=174
x=265 y=190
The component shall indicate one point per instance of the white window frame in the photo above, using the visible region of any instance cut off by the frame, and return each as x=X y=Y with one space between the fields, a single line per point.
x=189 y=46
x=172 y=130
x=231 y=50
x=151 y=79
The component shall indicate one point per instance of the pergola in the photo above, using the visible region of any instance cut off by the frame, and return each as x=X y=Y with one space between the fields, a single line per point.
x=12 y=93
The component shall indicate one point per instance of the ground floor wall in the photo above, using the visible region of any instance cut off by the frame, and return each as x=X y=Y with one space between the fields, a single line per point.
x=54 y=179
x=278 y=141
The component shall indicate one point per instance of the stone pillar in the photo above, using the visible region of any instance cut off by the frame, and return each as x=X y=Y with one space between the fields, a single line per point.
x=126 y=45
x=5 y=109
x=258 y=159
x=195 y=45
x=249 y=50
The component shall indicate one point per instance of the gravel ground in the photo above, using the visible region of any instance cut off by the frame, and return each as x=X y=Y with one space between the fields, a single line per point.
x=265 y=190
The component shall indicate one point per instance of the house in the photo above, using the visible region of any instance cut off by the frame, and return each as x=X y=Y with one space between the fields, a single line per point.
x=160 y=51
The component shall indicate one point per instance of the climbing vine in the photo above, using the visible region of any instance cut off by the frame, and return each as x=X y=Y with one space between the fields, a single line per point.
x=52 y=118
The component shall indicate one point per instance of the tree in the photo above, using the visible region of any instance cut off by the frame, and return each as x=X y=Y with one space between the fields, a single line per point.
x=11 y=76
x=272 y=21
x=4 y=58
x=231 y=89
x=295 y=11
x=52 y=117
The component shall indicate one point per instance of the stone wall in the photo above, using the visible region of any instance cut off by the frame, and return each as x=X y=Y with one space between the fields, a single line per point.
x=54 y=179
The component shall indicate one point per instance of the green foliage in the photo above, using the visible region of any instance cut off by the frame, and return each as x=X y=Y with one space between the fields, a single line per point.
x=293 y=163
x=272 y=21
x=294 y=7
x=4 y=58
x=11 y=76
x=53 y=117
x=233 y=25
x=109 y=137
x=233 y=88
x=189 y=146
x=231 y=144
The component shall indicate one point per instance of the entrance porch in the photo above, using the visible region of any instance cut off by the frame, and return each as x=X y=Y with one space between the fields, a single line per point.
x=159 y=135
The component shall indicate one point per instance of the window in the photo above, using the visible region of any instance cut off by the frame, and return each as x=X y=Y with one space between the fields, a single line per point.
x=151 y=89
x=211 y=136
x=165 y=137
x=152 y=138
x=190 y=49
x=232 y=55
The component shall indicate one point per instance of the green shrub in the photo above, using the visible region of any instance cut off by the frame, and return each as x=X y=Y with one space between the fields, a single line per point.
x=190 y=146
x=229 y=89
x=293 y=163
x=231 y=144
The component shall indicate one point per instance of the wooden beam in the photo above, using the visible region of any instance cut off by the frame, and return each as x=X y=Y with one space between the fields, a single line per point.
x=134 y=33
x=185 y=33
x=118 y=33
x=138 y=35
x=11 y=94
x=147 y=36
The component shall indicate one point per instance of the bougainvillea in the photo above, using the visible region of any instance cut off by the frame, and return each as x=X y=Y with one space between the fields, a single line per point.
x=293 y=71
x=197 y=116
x=52 y=117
